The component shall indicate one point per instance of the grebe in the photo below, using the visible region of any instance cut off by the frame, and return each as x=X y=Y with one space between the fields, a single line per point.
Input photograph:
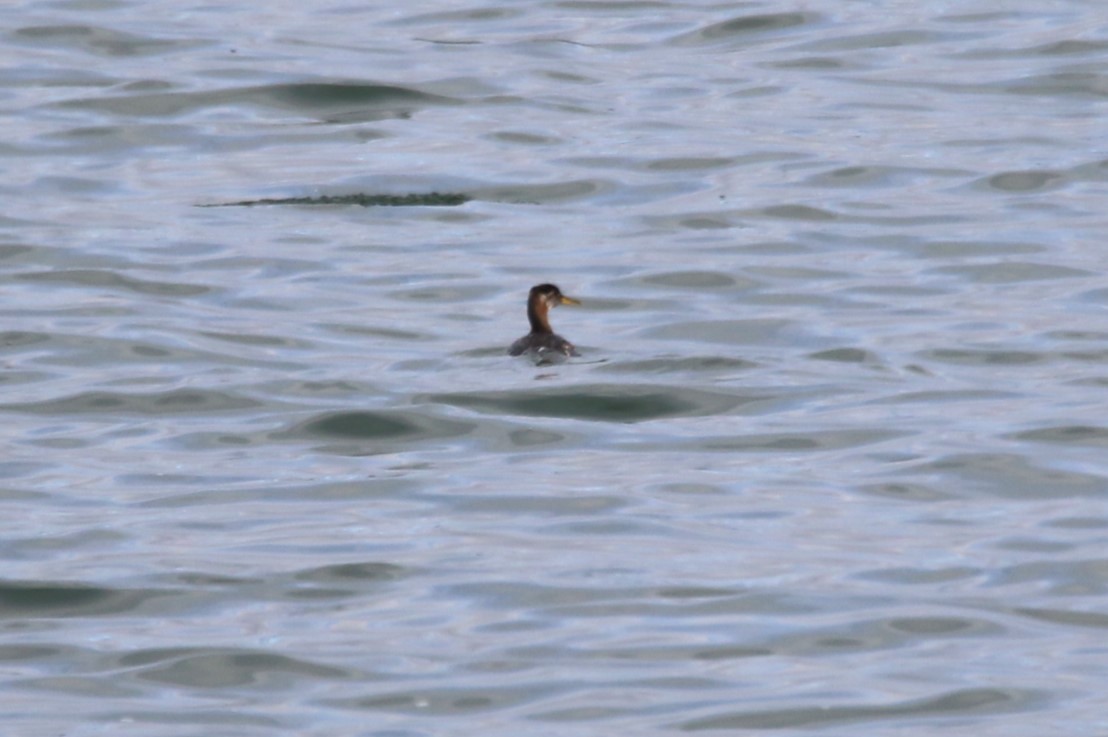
x=542 y=340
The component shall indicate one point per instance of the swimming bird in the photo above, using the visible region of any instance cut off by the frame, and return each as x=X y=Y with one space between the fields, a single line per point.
x=542 y=342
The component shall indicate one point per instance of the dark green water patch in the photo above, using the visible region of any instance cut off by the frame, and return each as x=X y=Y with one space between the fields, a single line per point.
x=960 y=703
x=114 y=403
x=1067 y=617
x=530 y=438
x=339 y=102
x=1009 y=476
x=598 y=403
x=376 y=426
x=985 y=357
x=339 y=581
x=844 y=355
x=814 y=440
x=361 y=425
x=361 y=199
x=740 y=28
x=878 y=634
x=798 y=212
x=30 y=599
x=10 y=251
x=1066 y=435
x=920 y=576
x=1024 y=181
x=20 y=338
x=370 y=571
x=1012 y=272
x=909 y=492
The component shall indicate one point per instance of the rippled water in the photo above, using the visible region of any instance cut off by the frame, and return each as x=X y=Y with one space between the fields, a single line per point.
x=833 y=458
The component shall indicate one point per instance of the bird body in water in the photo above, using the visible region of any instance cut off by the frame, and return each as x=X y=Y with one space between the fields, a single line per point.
x=542 y=342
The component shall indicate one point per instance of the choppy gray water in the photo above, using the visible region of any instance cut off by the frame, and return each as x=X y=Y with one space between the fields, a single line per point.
x=834 y=458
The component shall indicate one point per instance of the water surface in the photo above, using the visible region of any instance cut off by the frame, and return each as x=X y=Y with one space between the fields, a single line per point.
x=832 y=459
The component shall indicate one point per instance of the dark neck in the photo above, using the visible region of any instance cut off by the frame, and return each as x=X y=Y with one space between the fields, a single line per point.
x=536 y=314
